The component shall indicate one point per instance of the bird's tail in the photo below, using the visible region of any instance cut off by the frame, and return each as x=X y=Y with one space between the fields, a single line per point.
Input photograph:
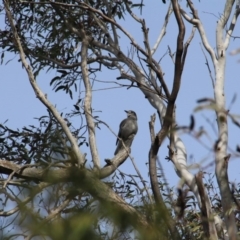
x=127 y=144
x=119 y=147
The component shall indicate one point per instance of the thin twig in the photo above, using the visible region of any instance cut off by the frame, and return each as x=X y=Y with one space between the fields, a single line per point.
x=209 y=70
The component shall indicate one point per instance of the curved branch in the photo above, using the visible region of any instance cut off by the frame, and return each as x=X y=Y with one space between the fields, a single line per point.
x=196 y=21
x=113 y=164
x=87 y=104
x=168 y=118
x=221 y=25
x=163 y=30
x=232 y=26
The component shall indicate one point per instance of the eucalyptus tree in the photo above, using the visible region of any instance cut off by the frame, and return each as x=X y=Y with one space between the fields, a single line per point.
x=78 y=39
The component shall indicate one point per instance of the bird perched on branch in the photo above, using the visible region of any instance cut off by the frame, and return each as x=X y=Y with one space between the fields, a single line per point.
x=127 y=130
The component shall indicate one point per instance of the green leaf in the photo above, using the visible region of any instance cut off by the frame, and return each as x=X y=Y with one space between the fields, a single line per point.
x=54 y=79
x=2 y=56
x=60 y=87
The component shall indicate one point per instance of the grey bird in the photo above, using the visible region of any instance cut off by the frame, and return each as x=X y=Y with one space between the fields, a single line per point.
x=127 y=130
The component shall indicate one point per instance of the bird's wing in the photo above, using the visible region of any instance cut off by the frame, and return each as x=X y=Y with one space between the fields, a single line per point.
x=121 y=126
x=117 y=138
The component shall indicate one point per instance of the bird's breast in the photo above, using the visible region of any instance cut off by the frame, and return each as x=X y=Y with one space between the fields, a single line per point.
x=133 y=127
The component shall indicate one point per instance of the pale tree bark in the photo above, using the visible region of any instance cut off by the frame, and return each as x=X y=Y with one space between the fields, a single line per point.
x=219 y=62
x=179 y=158
x=87 y=104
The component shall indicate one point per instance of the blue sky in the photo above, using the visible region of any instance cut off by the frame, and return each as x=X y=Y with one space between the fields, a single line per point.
x=19 y=105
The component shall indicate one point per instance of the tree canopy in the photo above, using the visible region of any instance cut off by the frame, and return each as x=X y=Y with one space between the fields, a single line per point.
x=51 y=188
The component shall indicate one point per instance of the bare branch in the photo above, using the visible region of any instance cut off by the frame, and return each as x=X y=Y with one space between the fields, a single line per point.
x=114 y=163
x=163 y=30
x=232 y=26
x=196 y=21
x=170 y=108
x=208 y=225
x=209 y=70
x=151 y=127
x=87 y=105
x=168 y=118
x=221 y=147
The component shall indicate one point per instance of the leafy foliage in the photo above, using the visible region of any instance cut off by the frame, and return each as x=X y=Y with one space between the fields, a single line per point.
x=66 y=199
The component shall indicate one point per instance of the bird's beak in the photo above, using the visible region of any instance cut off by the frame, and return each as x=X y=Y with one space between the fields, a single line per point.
x=126 y=111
